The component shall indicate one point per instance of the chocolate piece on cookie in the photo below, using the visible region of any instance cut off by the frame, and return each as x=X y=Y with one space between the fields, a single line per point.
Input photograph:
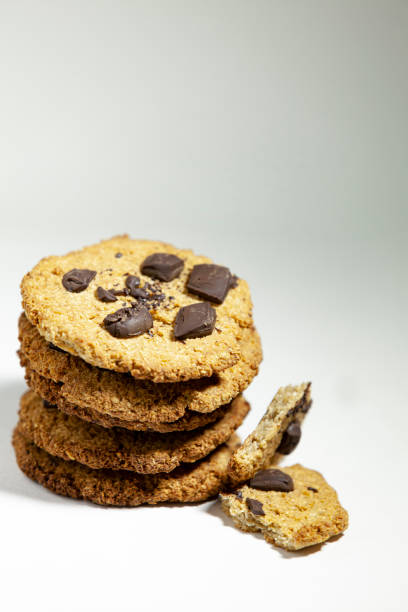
x=106 y=295
x=255 y=506
x=77 y=280
x=132 y=283
x=128 y=322
x=188 y=483
x=194 y=321
x=163 y=266
x=71 y=438
x=256 y=453
x=75 y=320
x=307 y=514
x=210 y=282
x=272 y=480
x=114 y=399
x=290 y=439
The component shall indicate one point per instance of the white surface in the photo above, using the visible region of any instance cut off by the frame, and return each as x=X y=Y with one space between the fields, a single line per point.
x=273 y=137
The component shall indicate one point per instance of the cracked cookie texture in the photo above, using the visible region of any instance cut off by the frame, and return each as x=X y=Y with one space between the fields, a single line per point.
x=49 y=391
x=73 y=439
x=120 y=398
x=188 y=483
x=258 y=450
x=308 y=515
x=73 y=321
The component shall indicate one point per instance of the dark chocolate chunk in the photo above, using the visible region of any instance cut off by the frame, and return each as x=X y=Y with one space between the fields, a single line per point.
x=55 y=348
x=194 y=321
x=210 y=282
x=124 y=291
x=48 y=404
x=272 y=480
x=313 y=489
x=117 y=255
x=128 y=322
x=76 y=280
x=290 y=439
x=106 y=295
x=305 y=407
x=132 y=283
x=139 y=293
x=163 y=266
x=255 y=506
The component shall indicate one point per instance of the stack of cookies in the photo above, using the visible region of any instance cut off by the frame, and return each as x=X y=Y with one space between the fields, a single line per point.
x=136 y=355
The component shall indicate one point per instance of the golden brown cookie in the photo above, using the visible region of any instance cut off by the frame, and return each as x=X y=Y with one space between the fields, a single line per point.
x=71 y=438
x=188 y=483
x=304 y=512
x=125 y=399
x=49 y=391
x=61 y=297
x=273 y=433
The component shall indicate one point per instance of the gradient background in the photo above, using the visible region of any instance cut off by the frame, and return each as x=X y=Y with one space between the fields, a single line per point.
x=271 y=136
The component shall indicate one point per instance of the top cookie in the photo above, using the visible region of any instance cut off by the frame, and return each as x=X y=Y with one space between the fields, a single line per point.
x=140 y=306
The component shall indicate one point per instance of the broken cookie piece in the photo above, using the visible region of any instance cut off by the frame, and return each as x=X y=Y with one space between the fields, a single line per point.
x=273 y=434
x=291 y=518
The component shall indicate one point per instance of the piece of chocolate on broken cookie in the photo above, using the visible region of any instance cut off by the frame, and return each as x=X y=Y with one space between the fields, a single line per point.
x=293 y=507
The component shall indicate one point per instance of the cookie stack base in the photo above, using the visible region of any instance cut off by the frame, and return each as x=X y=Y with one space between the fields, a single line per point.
x=193 y=483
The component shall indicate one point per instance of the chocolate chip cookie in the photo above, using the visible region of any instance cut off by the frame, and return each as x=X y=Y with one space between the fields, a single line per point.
x=292 y=507
x=71 y=438
x=115 y=399
x=143 y=307
x=188 y=483
x=49 y=391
